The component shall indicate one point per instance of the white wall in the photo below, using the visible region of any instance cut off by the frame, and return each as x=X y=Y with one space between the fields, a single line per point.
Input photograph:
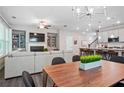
x=63 y=34
x=76 y=35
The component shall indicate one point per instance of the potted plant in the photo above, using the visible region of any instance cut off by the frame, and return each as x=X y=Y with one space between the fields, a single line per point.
x=45 y=49
x=91 y=61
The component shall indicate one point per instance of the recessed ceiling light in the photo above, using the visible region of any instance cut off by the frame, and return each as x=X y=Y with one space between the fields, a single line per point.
x=13 y=17
x=118 y=22
x=89 y=24
x=108 y=18
x=77 y=28
x=87 y=29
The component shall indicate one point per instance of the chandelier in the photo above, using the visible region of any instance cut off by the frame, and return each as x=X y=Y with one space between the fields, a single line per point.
x=93 y=13
x=87 y=11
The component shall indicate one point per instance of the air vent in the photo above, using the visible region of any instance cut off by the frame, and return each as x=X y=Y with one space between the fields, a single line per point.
x=13 y=17
x=65 y=25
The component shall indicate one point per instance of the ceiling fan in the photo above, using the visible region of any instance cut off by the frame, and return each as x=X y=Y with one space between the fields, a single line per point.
x=44 y=24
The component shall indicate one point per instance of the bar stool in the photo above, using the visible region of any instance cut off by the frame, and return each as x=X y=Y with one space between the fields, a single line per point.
x=87 y=51
x=105 y=54
x=123 y=53
x=111 y=53
x=91 y=52
x=99 y=52
x=84 y=51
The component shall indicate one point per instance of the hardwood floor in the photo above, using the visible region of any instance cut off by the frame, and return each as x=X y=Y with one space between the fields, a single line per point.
x=17 y=82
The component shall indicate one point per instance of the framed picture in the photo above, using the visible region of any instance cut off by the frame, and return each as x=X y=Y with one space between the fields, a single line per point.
x=75 y=42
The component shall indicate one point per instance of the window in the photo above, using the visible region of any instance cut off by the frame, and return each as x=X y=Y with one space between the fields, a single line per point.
x=5 y=39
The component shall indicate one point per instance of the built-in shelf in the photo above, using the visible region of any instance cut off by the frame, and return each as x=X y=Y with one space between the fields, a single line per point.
x=18 y=40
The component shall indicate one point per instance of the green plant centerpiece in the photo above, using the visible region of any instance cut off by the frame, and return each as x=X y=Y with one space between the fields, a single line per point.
x=91 y=61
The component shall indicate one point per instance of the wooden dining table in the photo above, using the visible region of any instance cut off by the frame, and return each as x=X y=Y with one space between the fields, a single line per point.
x=70 y=75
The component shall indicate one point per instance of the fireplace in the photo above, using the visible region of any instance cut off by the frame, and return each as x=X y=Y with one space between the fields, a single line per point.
x=36 y=48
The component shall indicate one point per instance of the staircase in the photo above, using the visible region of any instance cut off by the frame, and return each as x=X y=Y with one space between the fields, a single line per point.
x=94 y=43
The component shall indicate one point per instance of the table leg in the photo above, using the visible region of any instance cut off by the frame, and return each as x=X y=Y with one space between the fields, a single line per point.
x=44 y=78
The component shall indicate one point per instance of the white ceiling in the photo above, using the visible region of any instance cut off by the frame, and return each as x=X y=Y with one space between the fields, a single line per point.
x=58 y=16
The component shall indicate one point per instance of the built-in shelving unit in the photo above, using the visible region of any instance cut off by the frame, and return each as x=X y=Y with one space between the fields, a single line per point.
x=52 y=40
x=18 y=40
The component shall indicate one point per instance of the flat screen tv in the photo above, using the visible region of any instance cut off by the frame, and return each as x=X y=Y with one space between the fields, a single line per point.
x=115 y=39
x=37 y=37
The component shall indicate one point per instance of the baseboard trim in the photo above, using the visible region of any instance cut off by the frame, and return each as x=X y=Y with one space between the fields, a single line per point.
x=21 y=76
x=1 y=67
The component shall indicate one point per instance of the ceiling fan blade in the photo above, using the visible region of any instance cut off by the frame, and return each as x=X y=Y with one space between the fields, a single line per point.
x=82 y=16
x=99 y=13
x=87 y=9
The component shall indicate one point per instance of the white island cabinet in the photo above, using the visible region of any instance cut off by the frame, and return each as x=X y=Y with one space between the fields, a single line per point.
x=17 y=63
x=33 y=62
x=41 y=60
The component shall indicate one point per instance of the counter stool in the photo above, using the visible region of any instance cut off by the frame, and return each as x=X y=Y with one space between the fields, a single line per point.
x=105 y=54
x=91 y=52
x=111 y=53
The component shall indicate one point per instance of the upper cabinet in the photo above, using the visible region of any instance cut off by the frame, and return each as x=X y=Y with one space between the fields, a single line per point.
x=112 y=34
x=18 y=40
x=52 y=41
x=121 y=35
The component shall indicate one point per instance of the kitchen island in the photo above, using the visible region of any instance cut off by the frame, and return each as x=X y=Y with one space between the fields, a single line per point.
x=118 y=50
x=33 y=62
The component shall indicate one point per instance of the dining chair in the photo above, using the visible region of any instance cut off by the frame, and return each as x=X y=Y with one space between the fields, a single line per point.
x=58 y=60
x=55 y=61
x=75 y=58
x=27 y=79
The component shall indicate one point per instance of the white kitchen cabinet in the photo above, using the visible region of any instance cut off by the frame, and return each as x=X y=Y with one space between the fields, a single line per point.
x=103 y=37
x=121 y=35
x=41 y=60
x=32 y=62
x=14 y=66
